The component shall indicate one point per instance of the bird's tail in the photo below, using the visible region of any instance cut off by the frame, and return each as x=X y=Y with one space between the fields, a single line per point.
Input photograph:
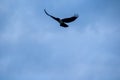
x=63 y=25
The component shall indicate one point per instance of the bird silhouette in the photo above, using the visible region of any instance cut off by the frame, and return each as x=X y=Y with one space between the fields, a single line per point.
x=64 y=20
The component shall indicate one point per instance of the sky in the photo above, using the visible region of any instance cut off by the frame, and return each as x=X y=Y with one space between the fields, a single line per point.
x=34 y=47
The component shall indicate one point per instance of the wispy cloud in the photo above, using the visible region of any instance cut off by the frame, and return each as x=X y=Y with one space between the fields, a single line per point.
x=34 y=47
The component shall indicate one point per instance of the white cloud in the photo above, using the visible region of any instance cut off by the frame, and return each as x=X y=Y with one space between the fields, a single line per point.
x=44 y=51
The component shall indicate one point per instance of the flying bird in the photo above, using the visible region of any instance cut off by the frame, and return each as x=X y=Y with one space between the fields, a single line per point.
x=64 y=20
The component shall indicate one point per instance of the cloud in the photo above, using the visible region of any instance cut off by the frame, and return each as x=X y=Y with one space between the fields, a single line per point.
x=32 y=47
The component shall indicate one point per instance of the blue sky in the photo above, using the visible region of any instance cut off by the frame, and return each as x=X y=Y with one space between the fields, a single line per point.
x=34 y=47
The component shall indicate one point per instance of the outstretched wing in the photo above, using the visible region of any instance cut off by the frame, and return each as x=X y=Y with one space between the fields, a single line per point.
x=57 y=19
x=67 y=20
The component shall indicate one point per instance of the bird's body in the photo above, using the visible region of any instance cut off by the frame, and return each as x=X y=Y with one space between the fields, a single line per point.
x=63 y=21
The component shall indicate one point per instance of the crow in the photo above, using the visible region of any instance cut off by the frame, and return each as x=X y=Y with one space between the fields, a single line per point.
x=63 y=21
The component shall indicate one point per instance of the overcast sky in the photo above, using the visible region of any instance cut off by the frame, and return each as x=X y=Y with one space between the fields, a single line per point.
x=34 y=47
